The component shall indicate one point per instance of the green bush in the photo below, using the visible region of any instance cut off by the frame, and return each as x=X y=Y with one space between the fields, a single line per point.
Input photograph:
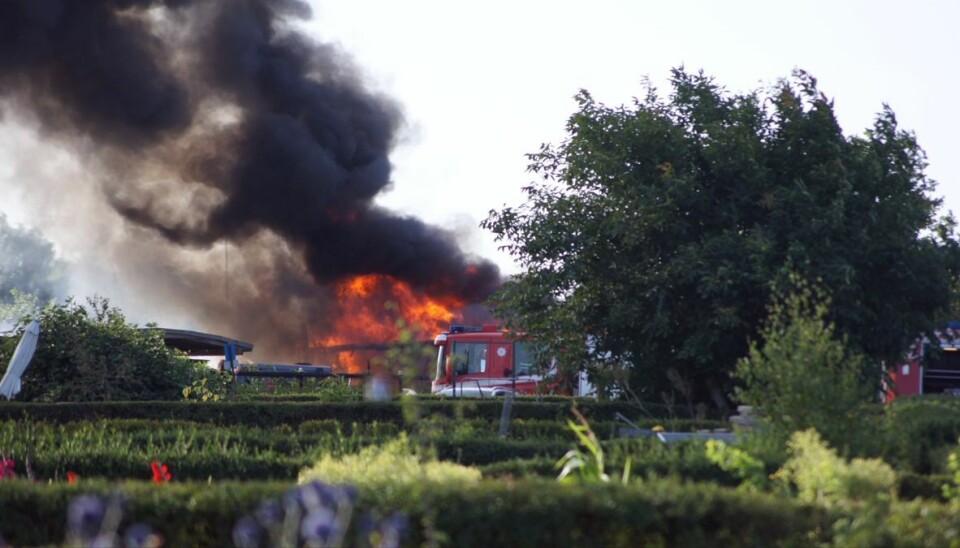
x=123 y=449
x=542 y=467
x=91 y=353
x=804 y=376
x=920 y=431
x=330 y=390
x=912 y=486
x=273 y=413
x=487 y=513
x=254 y=414
x=819 y=474
x=209 y=385
x=185 y=514
x=651 y=458
x=391 y=469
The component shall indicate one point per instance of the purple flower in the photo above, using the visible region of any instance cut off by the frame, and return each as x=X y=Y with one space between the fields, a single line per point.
x=318 y=526
x=140 y=535
x=269 y=513
x=293 y=499
x=247 y=533
x=350 y=493
x=85 y=516
x=104 y=540
x=396 y=522
x=385 y=533
x=316 y=494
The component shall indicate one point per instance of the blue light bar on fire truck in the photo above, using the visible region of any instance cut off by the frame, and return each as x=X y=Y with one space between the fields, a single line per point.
x=465 y=329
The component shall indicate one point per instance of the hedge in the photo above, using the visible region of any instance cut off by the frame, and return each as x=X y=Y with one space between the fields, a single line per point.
x=498 y=513
x=270 y=414
x=522 y=513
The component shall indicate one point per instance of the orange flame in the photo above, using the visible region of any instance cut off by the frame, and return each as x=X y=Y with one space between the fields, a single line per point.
x=374 y=309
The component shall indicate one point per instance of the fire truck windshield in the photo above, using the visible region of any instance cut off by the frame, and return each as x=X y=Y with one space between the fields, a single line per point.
x=524 y=358
x=470 y=357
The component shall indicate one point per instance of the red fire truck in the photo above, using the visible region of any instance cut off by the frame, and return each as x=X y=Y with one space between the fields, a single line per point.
x=932 y=365
x=489 y=361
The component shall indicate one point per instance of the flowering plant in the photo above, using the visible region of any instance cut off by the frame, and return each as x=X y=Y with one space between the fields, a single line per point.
x=7 y=467
x=316 y=514
x=95 y=521
x=161 y=472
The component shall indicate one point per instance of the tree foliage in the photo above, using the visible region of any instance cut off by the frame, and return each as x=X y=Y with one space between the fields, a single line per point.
x=802 y=375
x=91 y=353
x=655 y=232
x=28 y=265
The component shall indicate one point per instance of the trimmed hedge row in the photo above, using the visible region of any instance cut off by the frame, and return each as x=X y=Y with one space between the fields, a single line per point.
x=196 y=466
x=208 y=465
x=498 y=513
x=522 y=513
x=271 y=414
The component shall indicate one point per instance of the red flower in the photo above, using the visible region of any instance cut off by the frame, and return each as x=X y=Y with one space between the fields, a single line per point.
x=6 y=468
x=72 y=477
x=161 y=473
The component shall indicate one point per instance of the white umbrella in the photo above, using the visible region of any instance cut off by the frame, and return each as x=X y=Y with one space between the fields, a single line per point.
x=10 y=385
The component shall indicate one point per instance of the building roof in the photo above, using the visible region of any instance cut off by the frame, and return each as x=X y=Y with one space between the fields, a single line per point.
x=196 y=343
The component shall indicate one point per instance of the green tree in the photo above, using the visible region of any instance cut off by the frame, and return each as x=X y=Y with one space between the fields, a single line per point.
x=655 y=232
x=91 y=353
x=28 y=266
x=802 y=375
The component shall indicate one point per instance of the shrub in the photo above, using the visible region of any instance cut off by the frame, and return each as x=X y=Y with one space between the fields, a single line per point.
x=389 y=468
x=483 y=513
x=804 y=376
x=91 y=353
x=209 y=385
x=951 y=490
x=862 y=488
x=330 y=389
x=750 y=470
x=819 y=474
x=920 y=431
x=272 y=413
x=651 y=458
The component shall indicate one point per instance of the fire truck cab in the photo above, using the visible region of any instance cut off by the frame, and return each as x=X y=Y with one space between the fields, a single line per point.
x=489 y=361
x=931 y=366
x=481 y=361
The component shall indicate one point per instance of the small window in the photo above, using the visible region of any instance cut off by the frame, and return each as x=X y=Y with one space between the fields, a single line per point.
x=470 y=358
x=524 y=358
x=441 y=360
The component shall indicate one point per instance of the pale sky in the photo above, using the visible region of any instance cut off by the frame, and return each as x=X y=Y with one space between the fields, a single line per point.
x=483 y=84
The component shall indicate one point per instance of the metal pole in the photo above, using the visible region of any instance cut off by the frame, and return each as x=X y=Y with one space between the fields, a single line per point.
x=505 y=415
x=226 y=271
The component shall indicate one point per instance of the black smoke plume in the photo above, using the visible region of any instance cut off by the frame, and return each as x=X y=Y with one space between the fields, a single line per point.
x=217 y=121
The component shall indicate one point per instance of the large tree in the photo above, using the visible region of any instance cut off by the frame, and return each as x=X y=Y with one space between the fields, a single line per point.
x=28 y=265
x=656 y=232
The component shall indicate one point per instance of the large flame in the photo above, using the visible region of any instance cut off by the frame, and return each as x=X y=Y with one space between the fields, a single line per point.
x=374 y=310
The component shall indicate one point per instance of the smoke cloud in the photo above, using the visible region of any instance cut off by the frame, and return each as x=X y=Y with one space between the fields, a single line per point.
x=210 y=122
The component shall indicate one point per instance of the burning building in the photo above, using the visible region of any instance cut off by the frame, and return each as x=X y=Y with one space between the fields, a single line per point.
x=207 y=126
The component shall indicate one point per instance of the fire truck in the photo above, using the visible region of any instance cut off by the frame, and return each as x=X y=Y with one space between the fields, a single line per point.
x=931 y=366
x=490 y=361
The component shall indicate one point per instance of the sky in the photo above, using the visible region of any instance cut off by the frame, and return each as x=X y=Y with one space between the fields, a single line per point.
x=482 y=84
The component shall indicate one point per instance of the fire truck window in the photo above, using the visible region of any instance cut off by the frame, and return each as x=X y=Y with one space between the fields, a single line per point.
x=441 y=363
x=524 y=358
x=470 y=357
